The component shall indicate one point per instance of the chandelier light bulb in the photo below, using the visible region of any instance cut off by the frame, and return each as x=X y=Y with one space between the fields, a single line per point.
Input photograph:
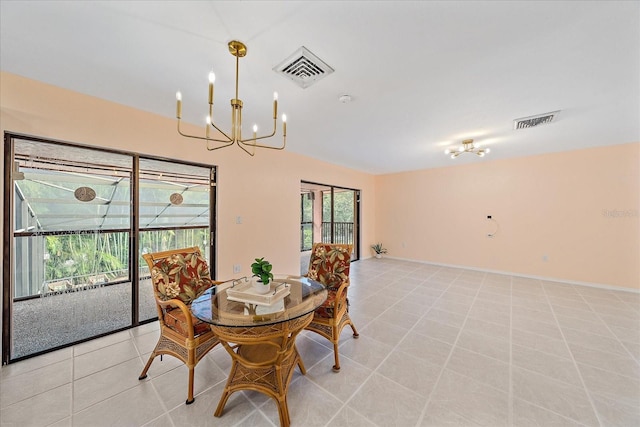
x=178 y=105
x=453 y=156
x=461 y=149
x=488 y=150
x=284 y=125
x=221 y=139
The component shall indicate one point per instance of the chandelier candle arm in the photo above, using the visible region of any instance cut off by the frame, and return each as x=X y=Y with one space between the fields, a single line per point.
x=227 y=142
x=237 y=49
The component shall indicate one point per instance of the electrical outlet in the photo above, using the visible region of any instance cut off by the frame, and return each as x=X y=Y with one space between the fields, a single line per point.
x=237 y=268
x=238 y=219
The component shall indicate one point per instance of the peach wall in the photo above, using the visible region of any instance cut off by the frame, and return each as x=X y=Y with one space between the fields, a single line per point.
x=565 y=205
x=571 y=216
x=264 y=190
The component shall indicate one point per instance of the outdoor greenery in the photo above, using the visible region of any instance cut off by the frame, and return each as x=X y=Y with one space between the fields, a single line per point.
x=343 y=206
x=307 y=222
x=78 y=256
x=81 y=255
x=344 y=218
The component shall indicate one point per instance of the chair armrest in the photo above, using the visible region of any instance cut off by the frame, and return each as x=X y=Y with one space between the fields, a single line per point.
x=342 y=290
x=176 y=303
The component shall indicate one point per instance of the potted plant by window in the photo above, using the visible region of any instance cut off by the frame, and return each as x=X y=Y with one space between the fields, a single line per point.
x=262 y=270
x=379 y=250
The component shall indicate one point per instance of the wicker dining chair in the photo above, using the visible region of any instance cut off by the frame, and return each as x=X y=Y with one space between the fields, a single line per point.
x=329 y=264
x=178 y=277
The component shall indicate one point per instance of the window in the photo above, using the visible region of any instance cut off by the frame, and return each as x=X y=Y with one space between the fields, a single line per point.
x=78 y=215
x=329 y=214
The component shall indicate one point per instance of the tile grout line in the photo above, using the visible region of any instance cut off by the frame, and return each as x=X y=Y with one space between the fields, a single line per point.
x=575 y=364
x=533 y=371
x=548 y=296
x=453 y=347
x=149 y=380
x=156 y=392
x=511 y=398
x=610 y=331
x=373 y=371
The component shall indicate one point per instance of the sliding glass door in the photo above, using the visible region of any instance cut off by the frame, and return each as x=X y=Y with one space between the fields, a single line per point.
x=339 y=214
x=174 y=212
x=77 y=220
x=328 y=214
x=70 y=238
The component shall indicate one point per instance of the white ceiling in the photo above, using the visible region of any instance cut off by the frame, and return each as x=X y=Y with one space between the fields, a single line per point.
x=423 y=75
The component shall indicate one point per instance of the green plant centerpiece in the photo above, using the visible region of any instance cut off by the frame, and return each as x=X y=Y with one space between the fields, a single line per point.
x=262 y=269
x=379 y=249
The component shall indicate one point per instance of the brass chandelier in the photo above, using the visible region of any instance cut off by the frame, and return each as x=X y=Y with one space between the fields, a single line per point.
x=467 y=147
x=239 y=50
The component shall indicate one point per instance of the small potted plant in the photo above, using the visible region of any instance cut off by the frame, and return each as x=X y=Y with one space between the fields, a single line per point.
x=262 y=270
x=379 y=250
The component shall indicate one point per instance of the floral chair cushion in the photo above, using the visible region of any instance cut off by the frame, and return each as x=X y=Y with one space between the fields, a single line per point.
x=329 y=308
x=329 y=265
x=184 y=276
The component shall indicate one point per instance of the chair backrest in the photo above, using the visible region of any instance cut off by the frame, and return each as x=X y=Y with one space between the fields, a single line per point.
x=180 y=273
x=329 y=264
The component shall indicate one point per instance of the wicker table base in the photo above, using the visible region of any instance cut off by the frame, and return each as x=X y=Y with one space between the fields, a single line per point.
x=264 y=358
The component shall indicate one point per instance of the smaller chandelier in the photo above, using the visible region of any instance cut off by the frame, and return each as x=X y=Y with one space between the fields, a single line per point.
x=239 y=50
x=467 y=147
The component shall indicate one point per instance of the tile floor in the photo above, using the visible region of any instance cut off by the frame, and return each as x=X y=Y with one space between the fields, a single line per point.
x=438 y=346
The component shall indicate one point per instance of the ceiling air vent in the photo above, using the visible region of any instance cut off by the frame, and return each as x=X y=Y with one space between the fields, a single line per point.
x=540 y=119
x=303 y=68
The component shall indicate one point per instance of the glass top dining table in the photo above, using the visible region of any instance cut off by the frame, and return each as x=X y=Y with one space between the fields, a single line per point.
x=237 y=305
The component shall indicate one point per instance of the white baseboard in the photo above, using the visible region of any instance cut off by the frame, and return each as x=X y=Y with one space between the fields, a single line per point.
x=528 y=276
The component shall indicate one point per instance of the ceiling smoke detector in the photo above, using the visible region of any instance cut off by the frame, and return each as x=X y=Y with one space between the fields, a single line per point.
x=303 y=68
x=531 y=121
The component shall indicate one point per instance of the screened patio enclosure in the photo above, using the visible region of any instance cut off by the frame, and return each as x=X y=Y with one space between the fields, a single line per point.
x=81 y=219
